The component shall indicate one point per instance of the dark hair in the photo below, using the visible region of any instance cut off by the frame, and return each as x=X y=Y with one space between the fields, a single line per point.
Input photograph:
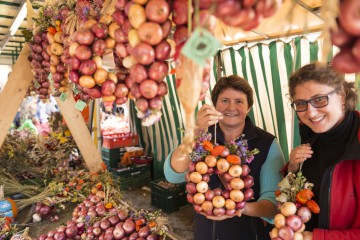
x=324 y=74
x=234 y=82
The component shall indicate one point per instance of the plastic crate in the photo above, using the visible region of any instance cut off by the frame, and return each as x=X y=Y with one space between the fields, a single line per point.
x=120 y=140
x=142 y=160
x=111 y=163
x=168 y=205
x=170 y=198
x=110 y=153
x=133 y=177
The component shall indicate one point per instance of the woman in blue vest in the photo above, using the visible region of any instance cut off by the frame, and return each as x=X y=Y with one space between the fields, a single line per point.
x=232 y=97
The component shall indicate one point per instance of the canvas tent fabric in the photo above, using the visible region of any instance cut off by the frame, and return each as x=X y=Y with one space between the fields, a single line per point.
x=267 y=66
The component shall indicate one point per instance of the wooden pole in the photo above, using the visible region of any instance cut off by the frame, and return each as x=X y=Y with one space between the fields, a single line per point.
x=80 y=132
x=14 y=91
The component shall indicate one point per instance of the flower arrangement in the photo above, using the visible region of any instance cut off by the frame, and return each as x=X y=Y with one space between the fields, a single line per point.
x=203 y=147
x=296 y=206
x=230 y=162
x=7 y=230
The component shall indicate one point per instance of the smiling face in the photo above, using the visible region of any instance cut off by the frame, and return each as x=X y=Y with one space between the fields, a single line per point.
x=322 y=119
x=234 y=106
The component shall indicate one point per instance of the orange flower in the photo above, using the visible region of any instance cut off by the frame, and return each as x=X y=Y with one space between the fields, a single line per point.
x=94 y=175
x=277 y=193
x=140 y=221
x=103 y=165
x=217 y=150
x=304 y=195
x=81 y=181
x=173 y=71
x=8 y=220
x=109 y=205
x=93 y=190
x=52 y=30
x=233 y=159
x=313 y=206
x=208 y=145
x=78 y=187
x=152 y=224
x=99 y=186
x=67 y=189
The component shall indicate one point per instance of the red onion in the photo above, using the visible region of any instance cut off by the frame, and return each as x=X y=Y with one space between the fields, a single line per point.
x=97 y=231
x=245 y=170
x=190 y=198
x=71 y=231
x=123 y=215
x=42 y=237
x=109 y=230
x=108 y=236
x=114 y=220
x=144 y=231
x=129 y=226
x=89 y=230
x=219 y=212
x=105 y=224
x=230 y=212
x=294 y=222
x=240 y=205
x=197 y=208
x=248 y=194
x=51 y=233
x=119 y=225
x=94 y=199
x=304 y=213
x=92 y=214
x=119 y=233
x=217 y=191
x=45 y=211
x=59 y=236
x=248 y=181
x=226 y=194
x=100 y=210
x=96 y=224
x=134 y=236
x=61 y=229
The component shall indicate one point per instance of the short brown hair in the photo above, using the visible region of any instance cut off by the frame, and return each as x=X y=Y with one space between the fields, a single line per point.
x=324 y=74
x=234 y=82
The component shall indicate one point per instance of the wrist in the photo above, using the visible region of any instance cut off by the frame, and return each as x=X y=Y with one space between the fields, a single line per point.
x=293 y=167
x=199 y=129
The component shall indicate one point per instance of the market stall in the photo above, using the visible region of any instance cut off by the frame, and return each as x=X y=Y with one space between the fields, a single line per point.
x=160 y=62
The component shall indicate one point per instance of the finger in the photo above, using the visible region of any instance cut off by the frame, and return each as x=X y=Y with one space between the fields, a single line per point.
x=238 y=212
x=210 y=110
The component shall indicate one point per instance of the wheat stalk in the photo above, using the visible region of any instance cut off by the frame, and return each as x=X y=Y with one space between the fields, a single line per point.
x=108 y=7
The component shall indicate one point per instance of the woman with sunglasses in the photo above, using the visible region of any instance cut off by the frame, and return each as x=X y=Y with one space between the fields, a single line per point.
x=329 y=155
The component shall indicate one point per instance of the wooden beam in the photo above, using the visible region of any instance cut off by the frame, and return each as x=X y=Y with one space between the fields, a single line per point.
x=318 y=28
x=14 y=91
x=80 y=132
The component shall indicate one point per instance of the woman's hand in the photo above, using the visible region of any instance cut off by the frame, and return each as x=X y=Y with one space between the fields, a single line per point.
x=207 y=116
x=238 y=213
x=308 y=235
x=299 y=155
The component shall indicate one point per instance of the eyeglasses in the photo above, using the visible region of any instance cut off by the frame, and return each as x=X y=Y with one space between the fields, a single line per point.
x=316 y=102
